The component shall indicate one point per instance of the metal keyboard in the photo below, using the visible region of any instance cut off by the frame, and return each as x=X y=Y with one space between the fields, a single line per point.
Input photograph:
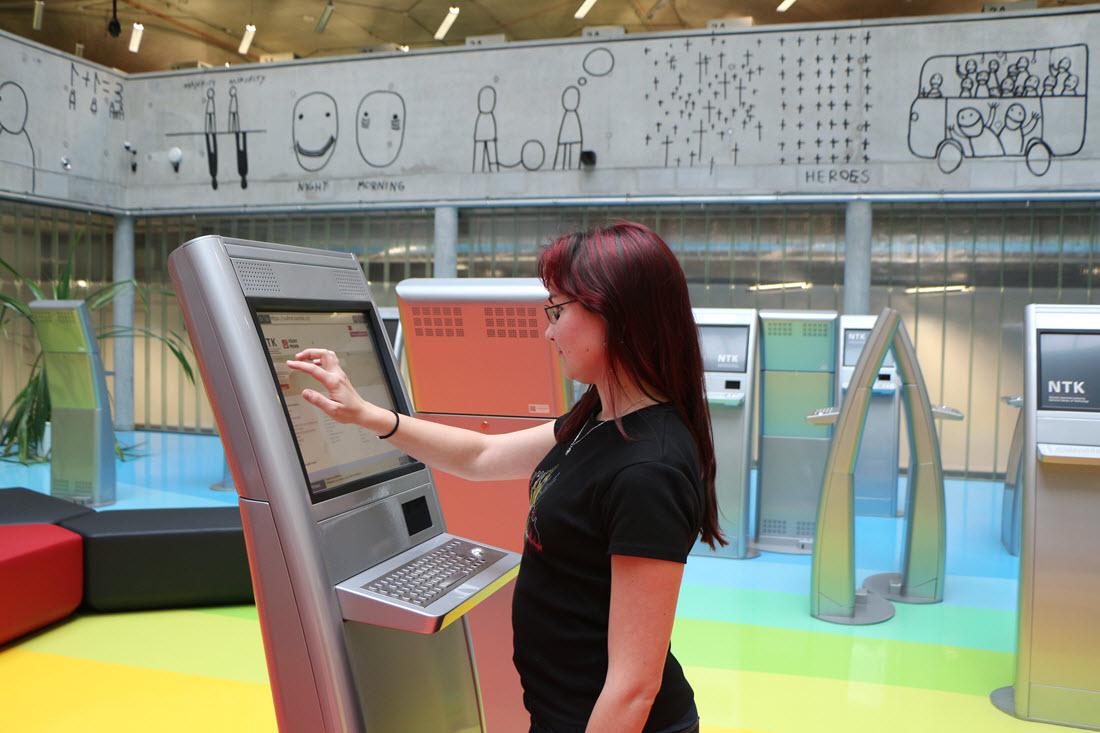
x=431 y=575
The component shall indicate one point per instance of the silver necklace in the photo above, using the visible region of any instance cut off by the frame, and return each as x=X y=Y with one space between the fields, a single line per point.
x=582 y=434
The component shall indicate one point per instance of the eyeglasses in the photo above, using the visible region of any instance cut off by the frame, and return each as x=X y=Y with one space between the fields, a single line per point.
x=553 y=311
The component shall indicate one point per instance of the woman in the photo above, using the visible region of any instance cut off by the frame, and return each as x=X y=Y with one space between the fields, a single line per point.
x=621 y=485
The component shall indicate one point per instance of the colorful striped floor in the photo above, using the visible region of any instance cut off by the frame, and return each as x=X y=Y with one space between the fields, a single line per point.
x=759 y=663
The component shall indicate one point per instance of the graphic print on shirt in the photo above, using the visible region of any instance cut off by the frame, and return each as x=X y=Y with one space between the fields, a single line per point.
x=541 y=481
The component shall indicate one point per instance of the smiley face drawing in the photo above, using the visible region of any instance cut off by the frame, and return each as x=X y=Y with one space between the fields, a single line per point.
x=380 y=127
x=315 y=130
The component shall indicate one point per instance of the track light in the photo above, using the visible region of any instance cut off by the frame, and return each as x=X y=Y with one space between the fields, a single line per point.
x=784 y=6
x=583 y=9
x=135 y=37
x=79 y=49
x=326 y=16
x=448 y=21
x=246 y=39
x=941 y=289
x=39 y=11
x=801 y=285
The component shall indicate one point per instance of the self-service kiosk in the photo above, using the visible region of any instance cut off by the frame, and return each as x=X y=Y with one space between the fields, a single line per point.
x=1058 y=644
x=876 y=472
x=82 y=456
x=727 y=337
x=360 y=589
x=478 y=359
x=797 y=363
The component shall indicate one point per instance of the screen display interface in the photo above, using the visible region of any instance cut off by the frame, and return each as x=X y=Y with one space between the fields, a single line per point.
x=335 y=455
x=854 y=340
x=1069 y=371
x=725 y=348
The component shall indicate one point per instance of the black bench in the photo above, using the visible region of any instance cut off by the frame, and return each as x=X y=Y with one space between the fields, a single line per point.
x=163 y=558
x=23 y=506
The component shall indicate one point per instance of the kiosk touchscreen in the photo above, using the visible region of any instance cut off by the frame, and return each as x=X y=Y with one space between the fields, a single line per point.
x=360 y=590
x=876 y=473
x=727 y=338
x=1057 y=674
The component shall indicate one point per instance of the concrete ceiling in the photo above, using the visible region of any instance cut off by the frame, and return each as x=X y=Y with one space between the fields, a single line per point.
x=209 y=31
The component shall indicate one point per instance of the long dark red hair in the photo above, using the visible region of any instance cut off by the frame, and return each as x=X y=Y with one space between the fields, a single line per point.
x=628 y=275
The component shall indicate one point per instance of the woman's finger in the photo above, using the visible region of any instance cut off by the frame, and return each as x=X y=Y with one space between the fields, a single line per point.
x=328 y=379
x=318 y=400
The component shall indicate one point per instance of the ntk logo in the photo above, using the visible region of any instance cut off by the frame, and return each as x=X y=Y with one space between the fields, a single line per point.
x=1065 y=386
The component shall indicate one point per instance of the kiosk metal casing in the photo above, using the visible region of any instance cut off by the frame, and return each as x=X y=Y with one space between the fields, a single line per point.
x=797 y=363
x=727 y=337
x=341 y=654
x=1057 y=673
x=876 y=472
x=82 y=455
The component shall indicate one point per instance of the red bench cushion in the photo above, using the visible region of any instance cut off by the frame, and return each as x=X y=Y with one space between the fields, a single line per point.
x=41 y=576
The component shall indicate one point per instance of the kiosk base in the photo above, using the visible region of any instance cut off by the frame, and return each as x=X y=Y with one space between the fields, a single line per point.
x=889 y=585
x=869 y=609
x=1004 y=699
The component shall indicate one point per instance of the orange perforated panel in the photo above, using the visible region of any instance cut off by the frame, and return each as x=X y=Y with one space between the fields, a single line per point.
x=481 y=359
x=493 y=512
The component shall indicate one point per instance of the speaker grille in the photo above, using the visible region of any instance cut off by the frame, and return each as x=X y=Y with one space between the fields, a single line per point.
x=349 y=282
x=438 y=321
x=820 y=330
x=805 y=529
x=773 y=527
x=779 y=328
x=256 y=277
x=509 y=321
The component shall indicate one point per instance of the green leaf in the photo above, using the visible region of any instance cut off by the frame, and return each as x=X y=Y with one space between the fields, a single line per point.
x=174 y=343
x=63 y=286
x=19 y=278
x=106 y=294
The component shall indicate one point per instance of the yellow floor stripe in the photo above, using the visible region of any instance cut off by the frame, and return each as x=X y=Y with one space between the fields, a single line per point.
x=45 y=693
x=730 y=700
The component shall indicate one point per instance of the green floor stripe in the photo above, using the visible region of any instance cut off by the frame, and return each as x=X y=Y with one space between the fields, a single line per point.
x=798 y=652
x=961 y=626
x=244 y=612
x=174 y=641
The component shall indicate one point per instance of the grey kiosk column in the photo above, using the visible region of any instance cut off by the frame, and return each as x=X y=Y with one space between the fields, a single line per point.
x=360 y=590
x=833 y=594
x=1058 y=636
x=876 y=473
x=1012 y=499
x=727 y=337
x=82 y=459
x=797 y=359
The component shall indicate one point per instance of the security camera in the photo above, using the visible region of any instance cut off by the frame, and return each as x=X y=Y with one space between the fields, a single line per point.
x=126 y=145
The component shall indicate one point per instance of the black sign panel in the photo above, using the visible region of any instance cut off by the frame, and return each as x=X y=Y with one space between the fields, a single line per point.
x=854 y=341
x=1069 y=371
x=725 y=348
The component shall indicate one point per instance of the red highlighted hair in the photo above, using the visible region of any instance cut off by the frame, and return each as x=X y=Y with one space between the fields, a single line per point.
x=628 y=275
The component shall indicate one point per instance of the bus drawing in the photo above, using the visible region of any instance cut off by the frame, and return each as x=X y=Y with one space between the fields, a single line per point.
x=1028 y=104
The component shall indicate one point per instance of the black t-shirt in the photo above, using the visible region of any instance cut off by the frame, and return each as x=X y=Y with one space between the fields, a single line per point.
x=608 y=495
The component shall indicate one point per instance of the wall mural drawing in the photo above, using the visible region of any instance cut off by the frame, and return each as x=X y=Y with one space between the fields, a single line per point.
x=1028 y=104
x=315 y=130
x=598 y=62
x=16 y=148
x=570 y=135
x=707 y=99
x=380 y=127
x=210 y=133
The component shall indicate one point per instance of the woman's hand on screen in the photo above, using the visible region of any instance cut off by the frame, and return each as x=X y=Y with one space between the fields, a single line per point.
x=338 y=400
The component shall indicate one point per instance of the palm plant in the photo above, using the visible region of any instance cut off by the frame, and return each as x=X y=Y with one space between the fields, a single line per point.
x=23 y=425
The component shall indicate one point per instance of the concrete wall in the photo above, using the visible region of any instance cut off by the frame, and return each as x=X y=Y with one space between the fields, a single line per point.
x=867 y=108
x=62 y=127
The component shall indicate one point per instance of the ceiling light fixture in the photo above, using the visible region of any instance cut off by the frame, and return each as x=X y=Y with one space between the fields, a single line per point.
x=326 y=16
x=79 y=49
x=448 y=20
x=135 y=37
x=785 y=6
x=246 y=39
x=926 y=289
x=801 y=285
x=583 y=9
x=39 y=11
